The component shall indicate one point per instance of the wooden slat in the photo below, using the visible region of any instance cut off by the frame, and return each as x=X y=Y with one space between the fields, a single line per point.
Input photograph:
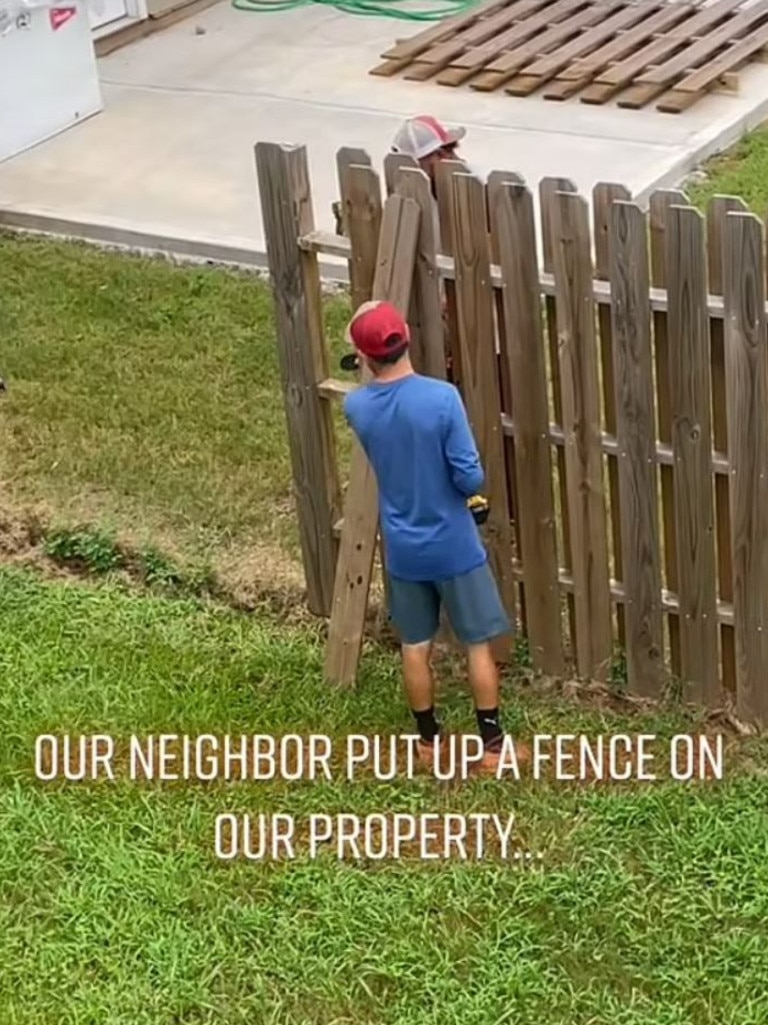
x=497 y=180
x=701 y=49
x=346 y=157
x=717 y=212
x=611 y=79
x=690 y=384
x=472 y=59
x=581 y=420
x=686 y=90
x=411 y=48
x=513 y=226
x=660 y=203
x=587 y=67
x=335 y=245
x=286 y=205
x=548 y=189
x=393 y=165
x=746 y=364
x=394 y=275
x=361 y=203
x=669 y=602
x=481 y=32
x=444 y=189
x=603 y=197
x=635 y=424
x=360 y=190
x=624 y=18
x=505 y=66
x=427 y=303
x=480 y=382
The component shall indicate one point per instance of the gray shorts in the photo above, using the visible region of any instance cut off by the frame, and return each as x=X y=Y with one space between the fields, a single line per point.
x=471 y=601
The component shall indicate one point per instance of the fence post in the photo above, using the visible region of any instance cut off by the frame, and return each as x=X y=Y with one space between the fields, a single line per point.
x=287 y=214
x=746 y=366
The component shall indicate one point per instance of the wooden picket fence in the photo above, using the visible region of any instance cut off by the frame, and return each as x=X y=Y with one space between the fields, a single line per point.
x=617 y=385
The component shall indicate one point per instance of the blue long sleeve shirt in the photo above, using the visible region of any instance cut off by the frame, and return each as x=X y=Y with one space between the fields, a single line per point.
x=418 y=440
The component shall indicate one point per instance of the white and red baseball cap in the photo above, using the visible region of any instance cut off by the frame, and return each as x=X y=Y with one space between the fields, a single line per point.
x=420 y=136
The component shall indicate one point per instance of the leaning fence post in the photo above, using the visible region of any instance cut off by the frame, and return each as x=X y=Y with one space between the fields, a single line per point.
x=287 y=215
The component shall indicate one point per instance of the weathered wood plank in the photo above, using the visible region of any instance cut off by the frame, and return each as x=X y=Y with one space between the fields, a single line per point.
x=394 y=275
x=346 y=157
x=513 y=226
x=717 y=212
x=287 y=214
x=581 y=421
x=603 y=197
x=426 y=304
x=746 y=366
x=394 y=163
x=635 y=428
x=495 y=181
x=480 y=383
x=361 y=202
x=660 y=203
x=444 y=193
x=689 y=366
x=548 y=189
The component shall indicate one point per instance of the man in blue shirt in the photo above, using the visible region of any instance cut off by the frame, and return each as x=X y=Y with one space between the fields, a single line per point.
x=415 y=433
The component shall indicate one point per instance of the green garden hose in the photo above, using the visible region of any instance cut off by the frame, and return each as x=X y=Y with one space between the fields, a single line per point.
x=379 y=9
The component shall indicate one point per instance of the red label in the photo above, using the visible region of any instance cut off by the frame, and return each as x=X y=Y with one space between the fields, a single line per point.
x=61 y=15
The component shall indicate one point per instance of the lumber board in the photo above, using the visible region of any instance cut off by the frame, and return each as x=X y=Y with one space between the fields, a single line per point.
x=717 y=212
x=702 y=78
x=427 y=302
x=287 y=213
x=635 y=431
x=579 y=383
x=361 y=203
x=395 y=262
x=504 y=67
x=604 y=195
x=661 y=201
x=410 y=48
x=702 y=49
x=512 y=220
x=548 y=190
x=746 y=364
x=665 y=52
x=690 y=390
x=480 y=381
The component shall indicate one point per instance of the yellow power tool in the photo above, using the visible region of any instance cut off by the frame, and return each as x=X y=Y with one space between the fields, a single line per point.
x=479 y=506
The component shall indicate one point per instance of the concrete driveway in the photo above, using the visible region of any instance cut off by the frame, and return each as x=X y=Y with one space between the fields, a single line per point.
x=172 y=154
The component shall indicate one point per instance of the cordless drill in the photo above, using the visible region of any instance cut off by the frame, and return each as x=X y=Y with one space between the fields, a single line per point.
x=479 y=506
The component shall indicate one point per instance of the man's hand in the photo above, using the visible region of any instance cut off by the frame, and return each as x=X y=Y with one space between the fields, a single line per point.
x=479 y=506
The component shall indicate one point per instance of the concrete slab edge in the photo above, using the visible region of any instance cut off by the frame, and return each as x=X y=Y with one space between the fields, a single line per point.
x=690 y=161
x=178 y=250
x=334 y=273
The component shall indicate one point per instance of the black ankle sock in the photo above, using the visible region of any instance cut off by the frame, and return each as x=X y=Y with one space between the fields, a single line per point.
x=488 y=724
x=427 y=724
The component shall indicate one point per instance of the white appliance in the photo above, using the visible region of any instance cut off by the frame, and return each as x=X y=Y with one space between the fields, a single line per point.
x=48 y=74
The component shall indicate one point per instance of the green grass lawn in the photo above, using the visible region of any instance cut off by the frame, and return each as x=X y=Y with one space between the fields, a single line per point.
x=648 y=907
x=143 y=431
x=145 y=398
x=740 y=171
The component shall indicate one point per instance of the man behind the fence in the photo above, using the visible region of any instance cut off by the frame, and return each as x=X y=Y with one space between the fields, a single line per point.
x=416 y=435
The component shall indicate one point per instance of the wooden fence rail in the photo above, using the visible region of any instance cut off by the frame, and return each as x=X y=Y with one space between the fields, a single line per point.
x=617 y=384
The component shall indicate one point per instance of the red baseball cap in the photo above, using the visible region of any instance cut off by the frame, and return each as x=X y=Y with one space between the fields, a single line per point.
x=378 y=329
